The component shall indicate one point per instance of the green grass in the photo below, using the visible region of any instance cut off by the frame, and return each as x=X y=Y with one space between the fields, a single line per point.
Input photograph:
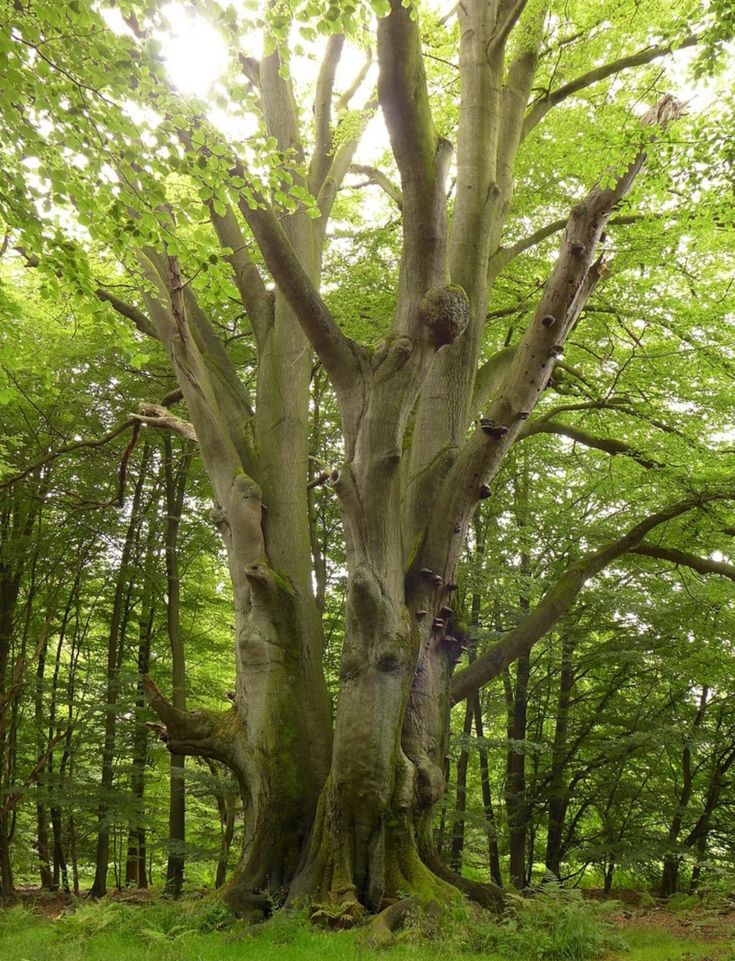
x=646 y=944
x=547 y=930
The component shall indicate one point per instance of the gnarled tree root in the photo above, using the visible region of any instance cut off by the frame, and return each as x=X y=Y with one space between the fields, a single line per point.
x=488 y=896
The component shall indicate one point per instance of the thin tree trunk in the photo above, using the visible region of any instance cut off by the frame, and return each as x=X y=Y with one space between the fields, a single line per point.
x=135 y=865
x=487 y=801
x=226 y=808
x=42 y=818
x=558 y=798
x=609 y=872
x=515 y=783
x=175 y=485
x=455 y=855
x=672 y=859
x=114 y=643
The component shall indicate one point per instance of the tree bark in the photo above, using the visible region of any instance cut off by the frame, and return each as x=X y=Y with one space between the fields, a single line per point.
x=135 y=862
x=515 y=779
x=175 y=488
x=558 y=798
x=460 y=804
x=406 y=498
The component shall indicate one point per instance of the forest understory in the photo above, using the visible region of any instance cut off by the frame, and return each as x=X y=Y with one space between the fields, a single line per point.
x=141 y=925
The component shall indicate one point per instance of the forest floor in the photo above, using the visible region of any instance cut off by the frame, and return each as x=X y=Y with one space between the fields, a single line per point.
x=143 y=927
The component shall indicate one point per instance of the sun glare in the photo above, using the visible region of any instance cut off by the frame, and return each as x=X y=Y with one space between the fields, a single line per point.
x=196 y=54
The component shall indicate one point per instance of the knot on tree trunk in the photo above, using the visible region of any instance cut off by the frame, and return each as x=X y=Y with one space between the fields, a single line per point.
x=444 y=311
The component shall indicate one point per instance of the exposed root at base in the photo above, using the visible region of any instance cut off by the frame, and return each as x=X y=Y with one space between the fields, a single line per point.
x=487 y=895
x=248 y=905
x=380 y=932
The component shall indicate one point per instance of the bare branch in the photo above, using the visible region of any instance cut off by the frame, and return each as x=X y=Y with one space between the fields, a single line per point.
x=12 y=799
x=503 y=255
x=167 y=401
x=377 y=177
x=157 y=416
x=141 y=321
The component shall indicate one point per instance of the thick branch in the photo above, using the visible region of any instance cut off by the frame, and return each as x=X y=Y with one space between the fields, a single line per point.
x=558 y=599
x=320 y=159
x=607 y=444
x=422 y=159
x=574 y=277
x=199 y=733
x=404 y=100
x=256 y=299
x=337 y=352
x=141 y=321
x=703 y=565
x=539 y=110
x=490 y=376
x=509 y=15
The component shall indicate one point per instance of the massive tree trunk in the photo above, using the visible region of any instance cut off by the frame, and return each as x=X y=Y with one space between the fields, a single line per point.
x=342 y=813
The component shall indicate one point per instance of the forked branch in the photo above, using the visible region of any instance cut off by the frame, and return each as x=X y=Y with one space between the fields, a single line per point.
x=551 y=99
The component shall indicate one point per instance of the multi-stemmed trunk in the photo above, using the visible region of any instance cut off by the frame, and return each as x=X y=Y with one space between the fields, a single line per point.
x=341 y=811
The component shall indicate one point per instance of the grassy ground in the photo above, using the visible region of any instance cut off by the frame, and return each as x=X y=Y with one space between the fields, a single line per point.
x=555 y=930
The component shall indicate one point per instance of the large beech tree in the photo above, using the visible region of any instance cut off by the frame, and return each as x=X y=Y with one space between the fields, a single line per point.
x=338 y=799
